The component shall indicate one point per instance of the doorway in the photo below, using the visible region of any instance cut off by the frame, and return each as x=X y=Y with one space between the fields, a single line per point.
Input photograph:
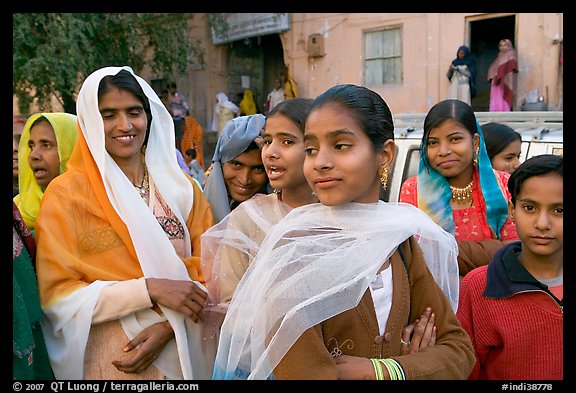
x=484 y=37
x=261 y=59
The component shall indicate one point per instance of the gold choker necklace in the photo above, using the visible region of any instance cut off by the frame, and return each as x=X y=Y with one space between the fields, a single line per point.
x=462 y=194
x=143 y=189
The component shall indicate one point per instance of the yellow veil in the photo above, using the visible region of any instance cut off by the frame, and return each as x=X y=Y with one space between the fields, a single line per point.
x=247 y=105
x=30 y=193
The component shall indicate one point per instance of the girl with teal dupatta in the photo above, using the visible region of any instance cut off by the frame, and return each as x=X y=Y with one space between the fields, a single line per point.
x=456 y=184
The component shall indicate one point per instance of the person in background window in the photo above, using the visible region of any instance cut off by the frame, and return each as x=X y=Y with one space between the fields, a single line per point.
x=504 y=146
x=165 y=98
x=502 y=78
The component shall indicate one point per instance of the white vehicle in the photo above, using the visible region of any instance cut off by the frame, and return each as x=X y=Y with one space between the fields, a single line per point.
x=542 y=133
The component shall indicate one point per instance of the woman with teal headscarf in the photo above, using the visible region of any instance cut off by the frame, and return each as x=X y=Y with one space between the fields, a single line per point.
x=456 y=184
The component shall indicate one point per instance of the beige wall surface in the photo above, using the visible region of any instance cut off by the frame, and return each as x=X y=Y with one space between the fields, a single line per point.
x=429 y=42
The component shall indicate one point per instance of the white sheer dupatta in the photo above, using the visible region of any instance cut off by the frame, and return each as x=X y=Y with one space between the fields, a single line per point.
x=316 y=263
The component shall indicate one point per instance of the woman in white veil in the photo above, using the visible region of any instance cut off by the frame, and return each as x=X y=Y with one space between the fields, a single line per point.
x=118 y=241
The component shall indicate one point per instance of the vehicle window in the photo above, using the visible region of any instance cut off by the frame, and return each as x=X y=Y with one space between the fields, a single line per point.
x=412 y=162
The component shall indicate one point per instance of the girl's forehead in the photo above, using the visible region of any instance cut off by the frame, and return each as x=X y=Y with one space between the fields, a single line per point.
x=448 y=126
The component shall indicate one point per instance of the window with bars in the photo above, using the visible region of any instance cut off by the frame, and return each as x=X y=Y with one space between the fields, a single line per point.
x=383 y=56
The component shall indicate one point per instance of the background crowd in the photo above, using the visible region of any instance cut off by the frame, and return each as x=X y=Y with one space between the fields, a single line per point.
x=134 y=258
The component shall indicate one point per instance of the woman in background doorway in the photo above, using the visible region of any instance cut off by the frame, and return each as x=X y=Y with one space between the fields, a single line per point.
x=462 y=76
x=502 y=77
x=224 y=111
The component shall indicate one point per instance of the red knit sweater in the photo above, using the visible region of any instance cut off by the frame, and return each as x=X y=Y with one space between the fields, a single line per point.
x=517 y=338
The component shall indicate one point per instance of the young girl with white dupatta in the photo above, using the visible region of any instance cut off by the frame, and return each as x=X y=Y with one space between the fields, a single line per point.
x=339 y=280
x=229 y=246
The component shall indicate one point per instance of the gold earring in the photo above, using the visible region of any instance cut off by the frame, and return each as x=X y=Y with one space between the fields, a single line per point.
x=475 y=161
x=384 y=178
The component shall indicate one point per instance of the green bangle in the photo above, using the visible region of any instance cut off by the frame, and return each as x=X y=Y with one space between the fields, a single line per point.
x=394 y=369
x=378 y=369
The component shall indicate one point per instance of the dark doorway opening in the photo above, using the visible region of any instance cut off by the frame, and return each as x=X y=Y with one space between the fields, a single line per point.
x=484 y=37
x=273 y=61
x=261 y=59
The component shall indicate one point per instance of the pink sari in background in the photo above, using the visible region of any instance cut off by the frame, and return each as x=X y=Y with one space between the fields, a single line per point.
x=501 y=75
x=497 y=101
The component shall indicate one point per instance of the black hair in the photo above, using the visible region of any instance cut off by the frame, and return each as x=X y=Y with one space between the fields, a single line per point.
x=191 y=153
x=539 y=165
x=252 y=146
x=39 y=120
x=124 y=80
x=450 y=109
x=498 y=136
x=366 y=106
x=295 y=109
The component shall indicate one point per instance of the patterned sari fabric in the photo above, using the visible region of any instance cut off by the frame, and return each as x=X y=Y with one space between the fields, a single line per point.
x=30 y=358
x=66 y=131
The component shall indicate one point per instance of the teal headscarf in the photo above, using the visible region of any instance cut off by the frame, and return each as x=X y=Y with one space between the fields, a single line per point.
x=434 y=192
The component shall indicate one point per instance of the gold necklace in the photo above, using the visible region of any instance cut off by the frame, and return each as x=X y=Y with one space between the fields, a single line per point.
x=143 y=189
x=462 y=194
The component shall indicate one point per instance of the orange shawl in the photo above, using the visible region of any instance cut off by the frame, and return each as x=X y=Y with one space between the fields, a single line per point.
x=90 y=241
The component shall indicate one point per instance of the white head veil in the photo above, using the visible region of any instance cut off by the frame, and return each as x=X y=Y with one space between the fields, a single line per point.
x=317 y=263
x=222 y=101
x=236 y=136
x=155 y=252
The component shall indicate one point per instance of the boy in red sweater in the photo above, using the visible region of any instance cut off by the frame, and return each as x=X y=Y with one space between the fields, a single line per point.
x=512 y=308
